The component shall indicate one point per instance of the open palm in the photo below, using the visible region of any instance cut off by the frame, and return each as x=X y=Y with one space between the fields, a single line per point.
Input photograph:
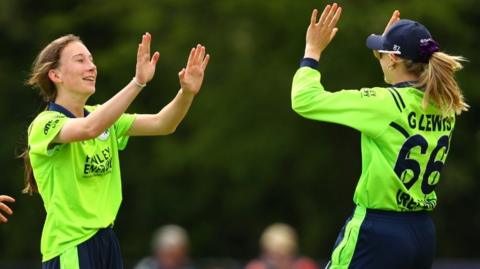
x=191 y=77
x=145 y=68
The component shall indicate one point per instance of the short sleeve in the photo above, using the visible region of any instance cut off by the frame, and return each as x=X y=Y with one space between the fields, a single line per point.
x=43 y=131
x=122 y=125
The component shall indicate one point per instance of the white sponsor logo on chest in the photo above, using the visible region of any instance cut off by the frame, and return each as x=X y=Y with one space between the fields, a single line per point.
x=104 y=136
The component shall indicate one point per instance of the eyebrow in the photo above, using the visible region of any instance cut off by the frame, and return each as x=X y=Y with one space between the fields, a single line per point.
x=81 y=54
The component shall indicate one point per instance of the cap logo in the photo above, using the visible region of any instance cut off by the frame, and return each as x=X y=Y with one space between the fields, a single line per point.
x=425 y=40
x=396 y=47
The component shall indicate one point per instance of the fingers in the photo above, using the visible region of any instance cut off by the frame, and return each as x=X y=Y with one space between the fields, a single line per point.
x=205 y=62
x=395 y=17
x=143 y=53
x=191 y=57
x=200 y=54
x=313 y=19
x=197 y=56
x=6 y=209
x=6 y=198
x=324 y=15
x=147 y=38
x=330 y=14
x=139 y=52
x=2 y=218
x=335 y=18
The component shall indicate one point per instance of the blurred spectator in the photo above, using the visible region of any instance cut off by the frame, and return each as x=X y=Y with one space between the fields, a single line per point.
x=279 y=250
x=170 y=250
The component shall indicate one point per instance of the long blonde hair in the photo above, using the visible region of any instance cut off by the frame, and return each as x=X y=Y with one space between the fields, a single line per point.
x=437 y=78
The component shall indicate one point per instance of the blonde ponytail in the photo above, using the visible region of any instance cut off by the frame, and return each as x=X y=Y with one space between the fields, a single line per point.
x=437 y=79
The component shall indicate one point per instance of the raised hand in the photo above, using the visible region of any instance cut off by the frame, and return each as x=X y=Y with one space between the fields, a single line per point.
x=145 y=68
x=395 y=17
x=191 y=76
x=320 y=33
x=4 y=207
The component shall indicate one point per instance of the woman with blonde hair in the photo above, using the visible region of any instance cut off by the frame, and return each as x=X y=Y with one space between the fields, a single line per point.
x=406 y=130
x=279 y=245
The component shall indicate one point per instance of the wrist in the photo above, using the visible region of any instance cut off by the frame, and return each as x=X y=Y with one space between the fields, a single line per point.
x=187 y=94
x=312 y=53
x=139 y=84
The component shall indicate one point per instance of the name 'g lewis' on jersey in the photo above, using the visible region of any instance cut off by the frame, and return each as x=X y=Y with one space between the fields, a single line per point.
x=404 y=145
x=422 y=143
x=430 y=122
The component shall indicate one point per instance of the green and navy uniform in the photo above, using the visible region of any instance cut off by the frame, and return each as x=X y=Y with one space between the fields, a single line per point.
x=404 y=148
x=79 y=183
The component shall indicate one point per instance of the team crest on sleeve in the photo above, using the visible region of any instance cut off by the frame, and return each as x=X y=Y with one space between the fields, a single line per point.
x=51 y=124
x=366 y=92
x=104 y=136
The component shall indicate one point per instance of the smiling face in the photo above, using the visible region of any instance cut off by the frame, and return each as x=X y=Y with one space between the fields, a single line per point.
x=76 y=72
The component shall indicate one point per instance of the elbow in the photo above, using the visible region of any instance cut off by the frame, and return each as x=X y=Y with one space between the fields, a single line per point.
x=92 y=131
x=296 y=106
x=169 y=131
x=165 y=130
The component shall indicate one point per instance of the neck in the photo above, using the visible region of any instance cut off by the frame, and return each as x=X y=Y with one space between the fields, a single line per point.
x=74 y=103
x=402 y=77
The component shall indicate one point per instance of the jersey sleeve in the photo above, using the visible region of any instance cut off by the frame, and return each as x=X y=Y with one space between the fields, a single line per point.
x=43 y=130
x=122 y=125
x=368 y=110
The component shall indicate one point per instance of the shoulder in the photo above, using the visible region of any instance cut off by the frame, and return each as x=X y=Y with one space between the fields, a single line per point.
x=376 y=92
x=48 y=115
x=305 y=263
x=146 y=263
x=385 y=98
x=255 y=264
x=46 y=120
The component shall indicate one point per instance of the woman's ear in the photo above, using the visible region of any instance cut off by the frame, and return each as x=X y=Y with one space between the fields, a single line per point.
x=54 y=76
x=394 y=58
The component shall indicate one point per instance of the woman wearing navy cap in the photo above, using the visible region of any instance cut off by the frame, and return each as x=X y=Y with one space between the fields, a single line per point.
x=406 y=130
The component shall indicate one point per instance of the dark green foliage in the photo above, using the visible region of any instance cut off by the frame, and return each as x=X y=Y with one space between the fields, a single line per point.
x=241 y=159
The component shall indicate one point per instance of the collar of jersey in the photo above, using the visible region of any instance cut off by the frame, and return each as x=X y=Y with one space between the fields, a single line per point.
x=404 y=84
x=52 y=106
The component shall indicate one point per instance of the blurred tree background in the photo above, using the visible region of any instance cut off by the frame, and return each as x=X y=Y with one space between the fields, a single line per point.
x=241 y=159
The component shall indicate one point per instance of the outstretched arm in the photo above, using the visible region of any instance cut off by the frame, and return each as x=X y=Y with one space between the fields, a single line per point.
x=166 y=121
x=5 y=208
x=103 y=117
x=320 y=33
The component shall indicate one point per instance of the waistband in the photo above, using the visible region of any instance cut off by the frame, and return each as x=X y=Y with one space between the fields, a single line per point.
x=378 y=214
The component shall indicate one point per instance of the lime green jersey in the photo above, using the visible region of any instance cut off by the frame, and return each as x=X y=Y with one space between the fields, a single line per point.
x=404 y=146
x=79 y=182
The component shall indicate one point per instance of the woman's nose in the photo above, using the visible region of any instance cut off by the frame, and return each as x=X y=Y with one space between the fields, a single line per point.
x=92 y=66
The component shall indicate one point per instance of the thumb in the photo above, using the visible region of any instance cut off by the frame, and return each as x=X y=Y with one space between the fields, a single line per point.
x=333 y=33
x=181 y=74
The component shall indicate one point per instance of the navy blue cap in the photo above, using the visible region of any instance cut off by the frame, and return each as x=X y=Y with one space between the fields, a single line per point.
x=406 y=38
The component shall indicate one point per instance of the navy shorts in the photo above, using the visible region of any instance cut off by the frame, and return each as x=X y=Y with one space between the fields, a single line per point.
x=383 y=239
x=102 y=251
